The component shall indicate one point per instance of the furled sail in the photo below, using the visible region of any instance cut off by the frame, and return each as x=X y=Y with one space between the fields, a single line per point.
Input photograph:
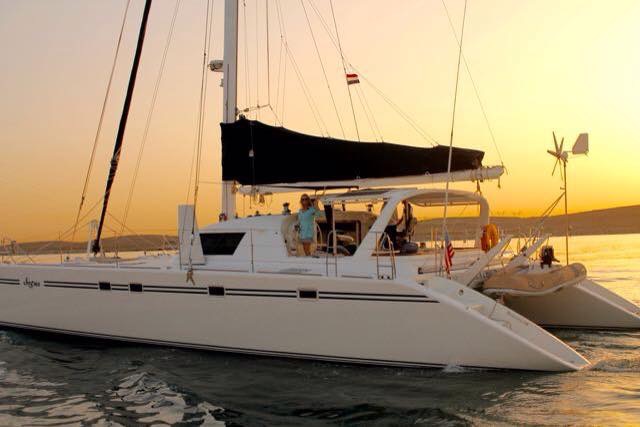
x=254 y=153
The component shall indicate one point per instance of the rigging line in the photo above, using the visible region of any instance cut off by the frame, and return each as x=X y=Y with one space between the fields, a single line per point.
x=453 y=120
x=200 y=125
x=547 y=212
x=257 y=63
x=203 y=94
x=150 y=113
x=307 y=93
x=266 y=10
x=207 y=43
x=202 y=111
x=324 y=71
x=117 y=149
x=424 y=134
x=118 y=235
x=284 y=88
x=195 y=141
x=68 y=230
x=247 y=83
x=475 y=88
x=100 y=121
x=369 y=114
x=373 y=117
x=279 y=75
x=366 y=114
x=278 y=121
x=283 y=43
x=193 y=159
x=344 y=68
x=314 y=109
x=280 y=56
x=305 y=89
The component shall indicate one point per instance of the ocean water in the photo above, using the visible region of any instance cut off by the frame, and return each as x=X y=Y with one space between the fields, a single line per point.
x=49 y=380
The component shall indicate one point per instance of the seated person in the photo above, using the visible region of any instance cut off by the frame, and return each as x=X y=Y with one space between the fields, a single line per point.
x=400 y=229
x=405 y=230
x=406 y=223
x=306 y=222
x=392 y=229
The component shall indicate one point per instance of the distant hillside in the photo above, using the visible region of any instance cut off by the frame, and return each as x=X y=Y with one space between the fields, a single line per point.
x=149 y=242
x=624 y=220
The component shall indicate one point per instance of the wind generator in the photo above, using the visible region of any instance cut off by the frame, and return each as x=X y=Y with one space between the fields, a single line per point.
x=581 y=146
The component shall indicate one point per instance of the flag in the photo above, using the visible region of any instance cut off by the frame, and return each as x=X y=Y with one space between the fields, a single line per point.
x=352 y=79
x=448 y=252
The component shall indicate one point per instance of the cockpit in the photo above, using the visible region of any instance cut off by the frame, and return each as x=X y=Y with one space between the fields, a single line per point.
x=385 y=221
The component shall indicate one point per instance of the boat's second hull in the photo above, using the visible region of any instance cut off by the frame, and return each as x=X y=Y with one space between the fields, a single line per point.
x=585 y=305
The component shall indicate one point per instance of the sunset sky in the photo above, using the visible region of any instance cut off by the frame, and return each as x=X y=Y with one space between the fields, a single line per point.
x=540 y=65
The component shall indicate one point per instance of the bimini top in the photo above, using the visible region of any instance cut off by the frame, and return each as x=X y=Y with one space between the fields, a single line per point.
x=254 y=153
x=417 y=196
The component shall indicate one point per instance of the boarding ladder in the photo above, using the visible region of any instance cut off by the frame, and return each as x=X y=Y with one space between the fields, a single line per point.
x=385 y=271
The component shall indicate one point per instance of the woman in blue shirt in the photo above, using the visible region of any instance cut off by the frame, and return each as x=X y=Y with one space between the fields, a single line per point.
x=306 y=221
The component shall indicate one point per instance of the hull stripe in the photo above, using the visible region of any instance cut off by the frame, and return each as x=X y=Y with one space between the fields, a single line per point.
x=267 y=293
x=179 y=288
x=94 y=287
x=261 y=290
x=274 y=353
x=374 y=295
x=172 y=291
x=379 y=299
x=68 y=282
x=259 y=295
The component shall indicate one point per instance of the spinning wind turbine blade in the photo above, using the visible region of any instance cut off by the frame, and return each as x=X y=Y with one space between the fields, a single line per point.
x=555 y=141
x=561 y=145
x=555 y=165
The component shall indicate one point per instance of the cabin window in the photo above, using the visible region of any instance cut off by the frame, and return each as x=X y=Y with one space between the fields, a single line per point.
x=135 y=287
x=307 y=294
x=220 y=243
x=104 y=286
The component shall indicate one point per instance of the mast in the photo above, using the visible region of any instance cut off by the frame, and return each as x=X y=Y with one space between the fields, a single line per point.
x=566 y=213
x=117 y=149
x=230 y=93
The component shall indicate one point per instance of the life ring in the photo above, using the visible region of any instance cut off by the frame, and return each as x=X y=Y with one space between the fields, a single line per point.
x=490 y=237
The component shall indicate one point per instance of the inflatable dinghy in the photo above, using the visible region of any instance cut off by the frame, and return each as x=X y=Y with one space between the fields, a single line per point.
x=531 y=283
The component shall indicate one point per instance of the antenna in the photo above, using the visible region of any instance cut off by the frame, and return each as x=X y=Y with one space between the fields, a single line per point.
x=581 y=146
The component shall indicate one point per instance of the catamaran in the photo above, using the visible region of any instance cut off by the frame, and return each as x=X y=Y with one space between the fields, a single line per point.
x=369 y=294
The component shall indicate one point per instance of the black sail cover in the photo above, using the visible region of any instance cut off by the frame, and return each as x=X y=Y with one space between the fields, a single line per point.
x=254 y=153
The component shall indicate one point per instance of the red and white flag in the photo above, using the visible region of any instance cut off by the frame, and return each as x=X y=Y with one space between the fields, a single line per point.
x=352 y=79
x=448 y=252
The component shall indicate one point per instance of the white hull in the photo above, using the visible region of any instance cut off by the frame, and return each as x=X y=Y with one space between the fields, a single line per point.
x=585 y=305
x=381 y=322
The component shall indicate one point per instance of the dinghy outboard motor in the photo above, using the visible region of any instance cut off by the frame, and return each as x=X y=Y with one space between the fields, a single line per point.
x=547 y=256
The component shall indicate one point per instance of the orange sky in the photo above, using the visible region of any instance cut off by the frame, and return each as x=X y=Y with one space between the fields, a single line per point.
x=570 y=66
